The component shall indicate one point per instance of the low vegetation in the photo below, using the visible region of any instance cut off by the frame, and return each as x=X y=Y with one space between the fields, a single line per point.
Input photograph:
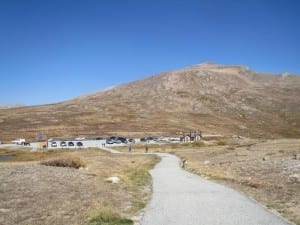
x=222 y=142
x=107 y=216
x=198 y=144
x=72 y=162
x=32 y=193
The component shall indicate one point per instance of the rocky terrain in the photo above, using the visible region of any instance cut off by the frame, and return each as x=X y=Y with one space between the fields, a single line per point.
x=208 y=97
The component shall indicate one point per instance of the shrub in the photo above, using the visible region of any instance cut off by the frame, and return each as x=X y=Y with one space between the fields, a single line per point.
x=107 y=216
x=74 y=162
x=222 y=142
x=186 y=144
x=198 y=144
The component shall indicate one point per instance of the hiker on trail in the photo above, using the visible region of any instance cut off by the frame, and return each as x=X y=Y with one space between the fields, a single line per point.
x=184 y=164
x=129 y=148
x=146 y=148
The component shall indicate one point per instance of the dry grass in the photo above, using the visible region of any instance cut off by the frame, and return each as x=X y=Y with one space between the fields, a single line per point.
x=72 y=162
x=198 y=144
x=24 y=155
x=34 y=194
x=243 y=103
x=222 y=142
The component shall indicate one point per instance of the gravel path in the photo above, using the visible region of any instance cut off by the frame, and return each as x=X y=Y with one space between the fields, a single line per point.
x=182 y=198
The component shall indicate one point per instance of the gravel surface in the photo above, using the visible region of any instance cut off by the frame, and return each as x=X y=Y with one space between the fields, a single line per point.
x=181 y=198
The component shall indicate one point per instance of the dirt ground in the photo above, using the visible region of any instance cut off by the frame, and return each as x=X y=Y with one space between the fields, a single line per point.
x=265 y=170
x=34 y=194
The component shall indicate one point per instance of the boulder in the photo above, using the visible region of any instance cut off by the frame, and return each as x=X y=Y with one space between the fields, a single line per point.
x=113 y=180
x=294 y=178
x=206 y=162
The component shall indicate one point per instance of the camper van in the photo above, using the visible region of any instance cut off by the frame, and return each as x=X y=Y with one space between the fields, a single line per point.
x=20 y=141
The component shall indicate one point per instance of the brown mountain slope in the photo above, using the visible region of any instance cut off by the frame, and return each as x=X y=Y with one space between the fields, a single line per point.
x=208 y=97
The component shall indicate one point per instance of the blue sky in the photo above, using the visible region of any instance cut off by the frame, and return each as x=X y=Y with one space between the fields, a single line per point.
x=54 y=50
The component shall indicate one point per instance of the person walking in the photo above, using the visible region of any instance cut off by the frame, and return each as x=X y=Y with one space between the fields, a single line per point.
x=184 y=164
x=146 y=148
x=129 y=148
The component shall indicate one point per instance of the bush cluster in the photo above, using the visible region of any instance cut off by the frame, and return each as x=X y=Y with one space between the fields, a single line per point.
x=198 y=144
x=222 y=142
x=107 y=216
x=74 y=162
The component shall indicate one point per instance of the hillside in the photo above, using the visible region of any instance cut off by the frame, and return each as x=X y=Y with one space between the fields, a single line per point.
x=207 y=97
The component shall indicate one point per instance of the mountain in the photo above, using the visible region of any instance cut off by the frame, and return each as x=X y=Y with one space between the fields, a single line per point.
x=208 y=97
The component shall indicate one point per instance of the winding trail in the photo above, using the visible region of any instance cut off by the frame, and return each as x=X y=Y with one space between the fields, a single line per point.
x=182 y=198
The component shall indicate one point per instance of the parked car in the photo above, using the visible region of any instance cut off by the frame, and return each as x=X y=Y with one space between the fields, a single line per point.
x=131 y=140
x=109 y=141
x=19 y=141
x=79 y=144
x=63 y=144
x=144 y=139
x=53 y=144
x=117 y=141
x=70 y=143
x=123 y=140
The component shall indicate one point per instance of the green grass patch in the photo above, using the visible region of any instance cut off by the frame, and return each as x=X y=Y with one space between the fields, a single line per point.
x=139 y=178
x=107 y=216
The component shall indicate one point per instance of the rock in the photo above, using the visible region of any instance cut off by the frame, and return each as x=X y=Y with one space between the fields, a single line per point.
x=242 y=127
x=113 y=180
x=295 y=178
x=265 y=158
x=206 y=162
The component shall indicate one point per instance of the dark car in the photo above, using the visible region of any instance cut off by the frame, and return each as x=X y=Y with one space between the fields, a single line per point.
x=131 y=140
x=79 y=144
x=144 y=139
x=63 y=144
x=123 y=140
x=70 y=143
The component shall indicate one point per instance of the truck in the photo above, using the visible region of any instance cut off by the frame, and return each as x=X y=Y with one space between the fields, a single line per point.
x=20 y=141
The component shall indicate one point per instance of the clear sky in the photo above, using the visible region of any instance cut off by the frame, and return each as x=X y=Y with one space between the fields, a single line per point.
x=54 y=50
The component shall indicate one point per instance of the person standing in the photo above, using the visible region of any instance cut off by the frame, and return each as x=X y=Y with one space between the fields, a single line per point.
x=129 y=148
x=184 y=164
x=146 y=148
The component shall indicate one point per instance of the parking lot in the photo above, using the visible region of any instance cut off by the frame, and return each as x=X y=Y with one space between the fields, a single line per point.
x=78 y=143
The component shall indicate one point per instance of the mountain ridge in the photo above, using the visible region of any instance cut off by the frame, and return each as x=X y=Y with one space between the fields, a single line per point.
x=208 y=97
